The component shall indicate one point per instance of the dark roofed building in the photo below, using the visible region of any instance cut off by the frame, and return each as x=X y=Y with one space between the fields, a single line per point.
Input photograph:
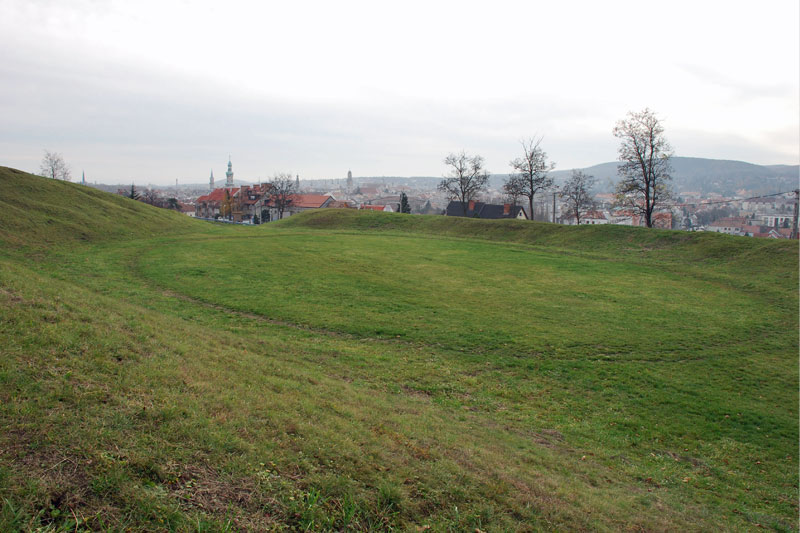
x=488 y=211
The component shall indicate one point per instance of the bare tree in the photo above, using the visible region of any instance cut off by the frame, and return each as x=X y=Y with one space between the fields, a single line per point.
x=282 y=191
x=577 y=194
x=645 y=168
x=149 y=196
x=54 y=166
x=513 y=192
x=530 y=172
x=465 y=180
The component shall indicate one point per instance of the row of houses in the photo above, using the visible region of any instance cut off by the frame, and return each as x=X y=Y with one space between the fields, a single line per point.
x=622 y=217
x=743 y=226
x=475 y=209
x=252 y=203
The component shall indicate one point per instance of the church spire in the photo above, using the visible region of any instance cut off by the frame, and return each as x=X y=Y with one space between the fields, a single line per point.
x=229 y=173
x=211 y=181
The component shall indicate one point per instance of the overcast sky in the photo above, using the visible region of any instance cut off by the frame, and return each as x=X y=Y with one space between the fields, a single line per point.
x=153 y=91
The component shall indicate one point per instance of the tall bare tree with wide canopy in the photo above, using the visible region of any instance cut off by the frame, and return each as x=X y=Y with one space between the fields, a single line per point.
x=645 y=169
x=530 y=172
x=466 y=178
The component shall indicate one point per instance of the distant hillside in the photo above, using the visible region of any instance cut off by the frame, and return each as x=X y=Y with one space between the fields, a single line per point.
x=36 y=210
x=689 y=174
x=708 y=175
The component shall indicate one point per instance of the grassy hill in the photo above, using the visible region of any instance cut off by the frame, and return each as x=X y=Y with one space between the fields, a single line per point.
x=36 y=212
x=377 y=371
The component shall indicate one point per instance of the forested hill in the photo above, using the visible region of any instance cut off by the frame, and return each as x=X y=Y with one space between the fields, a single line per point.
x=709 y=175
x=689 y=174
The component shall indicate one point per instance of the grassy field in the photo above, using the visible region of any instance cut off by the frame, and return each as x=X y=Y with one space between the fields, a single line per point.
x=351 y=371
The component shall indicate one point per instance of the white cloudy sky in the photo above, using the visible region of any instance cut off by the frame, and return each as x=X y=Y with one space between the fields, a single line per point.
x=152 y=91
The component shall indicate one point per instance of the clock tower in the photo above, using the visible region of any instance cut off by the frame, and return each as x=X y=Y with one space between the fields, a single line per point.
x=229 y=174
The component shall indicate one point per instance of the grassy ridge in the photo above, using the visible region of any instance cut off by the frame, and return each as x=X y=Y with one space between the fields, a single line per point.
x=37 y=212
x=352 y=371
x=618 y=240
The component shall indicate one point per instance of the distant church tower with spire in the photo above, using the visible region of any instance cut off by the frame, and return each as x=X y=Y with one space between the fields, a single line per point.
x=211 y=181
x=229 y=174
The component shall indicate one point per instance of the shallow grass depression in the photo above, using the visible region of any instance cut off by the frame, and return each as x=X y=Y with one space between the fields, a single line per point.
x=474 y=295
x=385 y=372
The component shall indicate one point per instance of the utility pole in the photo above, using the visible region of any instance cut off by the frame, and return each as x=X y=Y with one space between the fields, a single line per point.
x=796 y=208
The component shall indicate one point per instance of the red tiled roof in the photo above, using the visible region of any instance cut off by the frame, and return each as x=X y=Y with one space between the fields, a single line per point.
x=217 y=195
x=373 y=207
x=309 y=200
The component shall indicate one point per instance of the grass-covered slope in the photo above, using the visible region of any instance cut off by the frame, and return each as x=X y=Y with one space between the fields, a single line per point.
x=36 y=211
x=370 y=371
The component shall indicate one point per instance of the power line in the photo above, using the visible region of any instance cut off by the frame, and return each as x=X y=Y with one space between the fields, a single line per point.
x=728 y=201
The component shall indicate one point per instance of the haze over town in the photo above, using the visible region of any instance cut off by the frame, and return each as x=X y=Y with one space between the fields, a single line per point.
x=153 y=92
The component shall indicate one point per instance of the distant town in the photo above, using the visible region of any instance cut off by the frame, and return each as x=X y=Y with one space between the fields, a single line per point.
x=754 y=211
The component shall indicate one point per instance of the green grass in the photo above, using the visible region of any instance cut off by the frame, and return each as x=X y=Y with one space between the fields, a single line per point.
x=343 y=370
